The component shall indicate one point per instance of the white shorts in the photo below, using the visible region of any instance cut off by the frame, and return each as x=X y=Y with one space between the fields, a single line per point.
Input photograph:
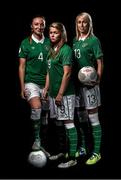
x=65 y=111
x=88 y=97
x=32 y=90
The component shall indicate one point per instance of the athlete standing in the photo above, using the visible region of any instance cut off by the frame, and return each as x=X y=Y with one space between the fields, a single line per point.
x=88 y=52
x=61 y=88
x=32 y=74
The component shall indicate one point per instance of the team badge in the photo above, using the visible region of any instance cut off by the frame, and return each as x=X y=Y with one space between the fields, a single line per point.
x=49 y=63
x=46 y=47
x=32 y=47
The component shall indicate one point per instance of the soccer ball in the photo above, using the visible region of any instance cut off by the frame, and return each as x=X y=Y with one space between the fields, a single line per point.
x=87 y=75
x=37 y=158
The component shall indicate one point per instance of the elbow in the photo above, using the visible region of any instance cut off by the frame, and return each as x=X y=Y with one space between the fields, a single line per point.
x=68 y=75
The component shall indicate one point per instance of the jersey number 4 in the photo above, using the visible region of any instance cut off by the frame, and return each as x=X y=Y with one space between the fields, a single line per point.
x=40 y=57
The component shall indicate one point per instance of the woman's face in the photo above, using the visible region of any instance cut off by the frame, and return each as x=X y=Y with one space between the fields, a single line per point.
x=55 y=35
x=38 y=25
x=82 y=24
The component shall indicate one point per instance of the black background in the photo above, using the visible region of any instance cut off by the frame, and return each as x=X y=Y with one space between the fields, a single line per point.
x=15 y=127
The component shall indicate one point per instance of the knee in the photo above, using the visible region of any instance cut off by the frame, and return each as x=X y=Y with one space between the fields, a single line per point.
x=35 y=113
x=82 y=116
x=94 y=119
x=92 y=111
x=69 y=125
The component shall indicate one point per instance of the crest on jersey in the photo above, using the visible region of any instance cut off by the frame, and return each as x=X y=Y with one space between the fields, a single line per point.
x=47 y=47
x=33 y=47
x=49 y=63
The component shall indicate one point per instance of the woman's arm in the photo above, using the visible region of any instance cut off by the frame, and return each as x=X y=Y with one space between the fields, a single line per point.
x=22 y=62
x=45 y=90
x=99 y=68
x=64 y=84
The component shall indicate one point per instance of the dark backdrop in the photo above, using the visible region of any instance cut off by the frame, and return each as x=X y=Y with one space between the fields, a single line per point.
x=15 y=126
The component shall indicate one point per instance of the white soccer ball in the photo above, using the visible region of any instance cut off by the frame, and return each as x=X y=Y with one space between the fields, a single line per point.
x=87 y=75
x=37 y=158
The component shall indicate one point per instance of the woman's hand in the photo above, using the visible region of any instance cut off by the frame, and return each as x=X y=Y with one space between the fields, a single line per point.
x=23 y=96
x=58 y=99
x=44 y=93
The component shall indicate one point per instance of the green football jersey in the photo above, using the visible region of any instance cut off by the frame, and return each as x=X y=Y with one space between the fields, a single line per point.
x=55 y=69
x=87 y=51
x=35 y=54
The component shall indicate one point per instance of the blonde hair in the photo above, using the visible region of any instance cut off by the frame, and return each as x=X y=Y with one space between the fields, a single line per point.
x=90 y=30
x=59 y=26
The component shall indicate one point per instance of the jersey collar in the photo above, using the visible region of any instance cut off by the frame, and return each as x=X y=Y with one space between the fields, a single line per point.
x=38 y=41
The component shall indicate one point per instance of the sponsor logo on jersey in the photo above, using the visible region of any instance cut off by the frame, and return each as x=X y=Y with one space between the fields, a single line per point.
x=84 y=45
x=46 y=47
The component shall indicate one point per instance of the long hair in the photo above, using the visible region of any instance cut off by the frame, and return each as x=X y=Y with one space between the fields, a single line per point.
x=59 y=26
x=89 y=19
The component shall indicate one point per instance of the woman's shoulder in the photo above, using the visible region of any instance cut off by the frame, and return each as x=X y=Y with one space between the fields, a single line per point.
x=47 y=39
x=94 y=38
x=74 y=39
x=25 y=40
x=66 y=47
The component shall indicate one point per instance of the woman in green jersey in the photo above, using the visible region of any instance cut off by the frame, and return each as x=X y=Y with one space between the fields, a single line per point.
x=61 y=88
x=88 y=52
x=32 y=74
